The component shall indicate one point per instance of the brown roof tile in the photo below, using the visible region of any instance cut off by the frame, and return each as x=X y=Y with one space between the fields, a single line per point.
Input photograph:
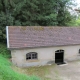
x=31 y=36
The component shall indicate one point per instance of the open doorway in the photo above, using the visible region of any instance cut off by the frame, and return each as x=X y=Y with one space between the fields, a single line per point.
x=59 y=56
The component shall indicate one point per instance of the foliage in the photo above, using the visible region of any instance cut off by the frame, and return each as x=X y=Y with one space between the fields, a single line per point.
x=33 y=13
x=73 y=21
x=77 y=21
x=64 y=16
x=4 y=51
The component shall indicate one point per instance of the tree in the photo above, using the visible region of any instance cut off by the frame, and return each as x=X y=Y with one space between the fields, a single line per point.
x=36 y=12
x=8 y=16
x=63 y=15
x=33 y=13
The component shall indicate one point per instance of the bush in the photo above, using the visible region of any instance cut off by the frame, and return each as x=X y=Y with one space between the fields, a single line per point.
x=4 y=51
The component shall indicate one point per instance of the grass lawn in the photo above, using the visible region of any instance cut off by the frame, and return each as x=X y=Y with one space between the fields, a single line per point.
x=6 y=71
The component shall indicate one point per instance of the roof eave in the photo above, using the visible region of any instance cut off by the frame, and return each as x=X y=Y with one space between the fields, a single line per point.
x=41 y=47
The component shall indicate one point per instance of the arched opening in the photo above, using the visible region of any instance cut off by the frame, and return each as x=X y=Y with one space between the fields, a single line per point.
x=59 y=56
x=31 y=55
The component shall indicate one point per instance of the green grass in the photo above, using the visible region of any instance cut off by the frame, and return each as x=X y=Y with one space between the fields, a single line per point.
x=6 y=71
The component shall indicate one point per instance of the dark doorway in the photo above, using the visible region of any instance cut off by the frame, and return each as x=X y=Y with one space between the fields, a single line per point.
x=59 y=56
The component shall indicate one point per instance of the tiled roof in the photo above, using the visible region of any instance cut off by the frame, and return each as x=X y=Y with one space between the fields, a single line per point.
x=31 y=36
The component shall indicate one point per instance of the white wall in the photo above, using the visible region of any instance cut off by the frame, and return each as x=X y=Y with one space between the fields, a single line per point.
x=44 y=55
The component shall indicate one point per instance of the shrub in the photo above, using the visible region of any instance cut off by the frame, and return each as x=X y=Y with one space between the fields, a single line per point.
x=4 y=51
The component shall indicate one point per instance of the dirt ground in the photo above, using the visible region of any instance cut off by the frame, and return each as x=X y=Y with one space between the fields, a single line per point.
x=70 y=71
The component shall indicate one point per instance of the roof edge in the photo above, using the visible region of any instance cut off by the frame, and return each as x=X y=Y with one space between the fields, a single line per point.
x=7 y=35
x=41 y=47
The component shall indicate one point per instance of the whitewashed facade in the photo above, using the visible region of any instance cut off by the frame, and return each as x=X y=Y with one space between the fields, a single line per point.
x=45 y=55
